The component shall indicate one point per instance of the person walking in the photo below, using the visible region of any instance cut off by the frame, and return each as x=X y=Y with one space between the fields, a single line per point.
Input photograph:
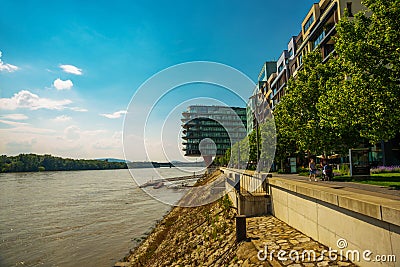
x=313 y=170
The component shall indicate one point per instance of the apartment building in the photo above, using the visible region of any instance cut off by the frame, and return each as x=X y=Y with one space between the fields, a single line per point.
x=317 y=31
x=319 y=26
x=283 y=73
x=258 y=106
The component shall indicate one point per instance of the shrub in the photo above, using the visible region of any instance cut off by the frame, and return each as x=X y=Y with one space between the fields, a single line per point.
x=302 y=171
x=385 y=169
x=344 y=169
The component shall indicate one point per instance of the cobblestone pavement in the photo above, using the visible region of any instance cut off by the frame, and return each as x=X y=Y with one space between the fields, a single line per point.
x=277 y=235
x=380 y=191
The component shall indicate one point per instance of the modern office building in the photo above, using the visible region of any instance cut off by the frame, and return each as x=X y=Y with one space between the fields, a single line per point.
x=223 y=125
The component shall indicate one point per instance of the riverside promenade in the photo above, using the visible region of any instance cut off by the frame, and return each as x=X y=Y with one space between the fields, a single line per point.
x=365 y=218
x=372 y=190
x=272 y=242
x=269 y=235
x=205 y=236
x=307 y=221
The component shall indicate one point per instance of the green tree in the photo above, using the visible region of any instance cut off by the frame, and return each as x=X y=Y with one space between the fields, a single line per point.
x=226 y=158
x=34 y=163
x=365 y=94
x=297 y=117
x=252 y=146
x=267 y=143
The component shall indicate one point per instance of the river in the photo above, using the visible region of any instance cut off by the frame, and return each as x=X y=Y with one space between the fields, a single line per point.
x=77 y=218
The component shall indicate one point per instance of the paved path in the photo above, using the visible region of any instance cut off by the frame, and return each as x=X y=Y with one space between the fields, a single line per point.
x=267 y=232
x=373 y=190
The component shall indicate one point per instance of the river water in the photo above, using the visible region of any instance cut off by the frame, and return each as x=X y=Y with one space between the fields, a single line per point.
x=77 y=218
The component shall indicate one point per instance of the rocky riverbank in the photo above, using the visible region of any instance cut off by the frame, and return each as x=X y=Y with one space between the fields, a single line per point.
x=205 y=236
x=197 y=236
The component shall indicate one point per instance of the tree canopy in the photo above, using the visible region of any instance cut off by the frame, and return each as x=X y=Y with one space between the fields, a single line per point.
x=34 y=163
x=365 y=93
x=353 y=97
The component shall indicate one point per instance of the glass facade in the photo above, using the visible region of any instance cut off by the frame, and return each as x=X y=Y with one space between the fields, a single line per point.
x=224 y=125
x=319 y=39
x=308 y=23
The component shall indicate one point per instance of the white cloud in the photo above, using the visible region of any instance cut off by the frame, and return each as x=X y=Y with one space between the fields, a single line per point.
x=14 y=123
x=71 y=142
x=16 y=117
x=78 y=109
x=7 y=67
x=94 y=132
x=71 y=69
x=109 y=143
x=22 y=127
x=27 y=129
x=72 y=132
x=114 y=115
x=26 y=99
x=62 y=85
x=62 y=118
x=24 y=146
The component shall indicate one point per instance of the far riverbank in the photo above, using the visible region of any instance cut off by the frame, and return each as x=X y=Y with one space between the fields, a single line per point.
x=41 y=163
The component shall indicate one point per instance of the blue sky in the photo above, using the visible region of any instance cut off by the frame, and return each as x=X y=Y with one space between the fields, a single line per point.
x=69 y=69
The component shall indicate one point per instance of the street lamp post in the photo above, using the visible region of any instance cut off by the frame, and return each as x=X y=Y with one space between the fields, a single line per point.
x=255 y=114
x=238 y=154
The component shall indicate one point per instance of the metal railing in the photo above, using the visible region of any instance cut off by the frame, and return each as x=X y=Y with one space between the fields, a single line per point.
x=252 y=184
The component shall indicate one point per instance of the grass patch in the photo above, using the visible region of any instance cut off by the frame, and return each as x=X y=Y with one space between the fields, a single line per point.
x=392 y=185
x=393 y=175
x=391 y=180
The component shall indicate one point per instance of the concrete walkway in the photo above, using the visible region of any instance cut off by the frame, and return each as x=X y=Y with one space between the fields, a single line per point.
x=372 y=190
x=282 y=244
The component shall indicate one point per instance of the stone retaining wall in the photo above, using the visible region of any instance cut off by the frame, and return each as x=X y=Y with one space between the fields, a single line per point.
x=249 y=204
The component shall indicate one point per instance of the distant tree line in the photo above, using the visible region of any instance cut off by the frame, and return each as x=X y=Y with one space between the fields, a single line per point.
x=35 y=163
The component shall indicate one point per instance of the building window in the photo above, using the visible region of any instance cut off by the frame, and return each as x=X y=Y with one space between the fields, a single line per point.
x=349 y=9
x=290 y=52
x=319 y=39
x=308 y=23
x=300 y=60
x=262 y=76
x=329 y=48
x=280 y=67
x=294 y=67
